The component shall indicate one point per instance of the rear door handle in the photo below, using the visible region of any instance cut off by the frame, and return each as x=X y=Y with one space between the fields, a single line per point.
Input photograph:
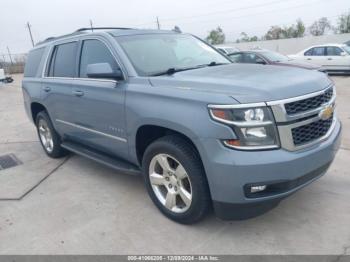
x=47 y=89
x=78 y=93
x=330 y=58
x=309 y=59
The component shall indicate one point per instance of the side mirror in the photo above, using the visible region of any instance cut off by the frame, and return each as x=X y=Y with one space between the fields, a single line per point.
x=343 y=54
x=103 y=70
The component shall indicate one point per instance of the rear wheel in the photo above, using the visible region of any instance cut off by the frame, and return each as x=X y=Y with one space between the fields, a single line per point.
x=175 y=179
x=48 y=137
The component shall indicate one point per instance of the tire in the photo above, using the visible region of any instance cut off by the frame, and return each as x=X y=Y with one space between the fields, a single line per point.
x=54 y=150
x=186 y=178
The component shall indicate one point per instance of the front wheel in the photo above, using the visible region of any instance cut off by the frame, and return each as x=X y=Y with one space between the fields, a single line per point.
x=175 y=179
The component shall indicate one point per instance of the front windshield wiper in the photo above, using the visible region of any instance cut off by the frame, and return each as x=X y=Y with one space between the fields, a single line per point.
x=174 y=70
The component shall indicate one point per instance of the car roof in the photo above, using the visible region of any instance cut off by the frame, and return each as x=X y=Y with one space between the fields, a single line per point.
x=103 y=30
x=123 y=32
x=329 y=44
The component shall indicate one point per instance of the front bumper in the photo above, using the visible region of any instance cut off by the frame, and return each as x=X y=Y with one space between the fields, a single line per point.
x=230 y=171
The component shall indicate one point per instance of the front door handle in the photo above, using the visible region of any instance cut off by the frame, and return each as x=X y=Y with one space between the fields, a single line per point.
x=47 y=89
x=330 y=58
x=78 y=93
x=309 y=59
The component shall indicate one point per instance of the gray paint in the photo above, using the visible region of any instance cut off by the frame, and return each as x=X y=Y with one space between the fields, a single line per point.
x=179 y=102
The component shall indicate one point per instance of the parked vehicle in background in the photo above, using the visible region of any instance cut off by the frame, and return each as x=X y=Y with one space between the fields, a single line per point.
x=347 y=43
x=334 y=58
x=267 y=57
x=203 y=131
x=4 y=78
x=227 y=49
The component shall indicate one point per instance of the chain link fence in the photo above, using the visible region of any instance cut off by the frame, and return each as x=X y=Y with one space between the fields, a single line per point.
x=13 y=63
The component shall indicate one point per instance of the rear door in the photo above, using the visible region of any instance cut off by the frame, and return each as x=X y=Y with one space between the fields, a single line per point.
x=57 y=85
x=335 y=61
x=99 y=103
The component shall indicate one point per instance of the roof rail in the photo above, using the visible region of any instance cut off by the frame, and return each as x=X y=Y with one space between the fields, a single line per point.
x=81 y=31
x=101 y=28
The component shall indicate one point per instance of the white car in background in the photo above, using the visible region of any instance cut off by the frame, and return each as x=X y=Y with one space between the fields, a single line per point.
x=4 y=78
x=335 y=58
x=227 y=49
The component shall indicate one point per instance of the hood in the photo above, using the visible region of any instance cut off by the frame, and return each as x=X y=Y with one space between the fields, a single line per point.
x=299 y=64
x=247 y=83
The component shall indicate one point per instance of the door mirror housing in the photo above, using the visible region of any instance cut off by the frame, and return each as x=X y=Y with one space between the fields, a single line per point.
x=103 y=70
x=343 y=53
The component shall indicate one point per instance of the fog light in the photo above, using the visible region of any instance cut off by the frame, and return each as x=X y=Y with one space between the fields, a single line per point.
x=255 y=189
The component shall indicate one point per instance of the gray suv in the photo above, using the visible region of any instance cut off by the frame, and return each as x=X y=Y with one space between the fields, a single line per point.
x=204 y=132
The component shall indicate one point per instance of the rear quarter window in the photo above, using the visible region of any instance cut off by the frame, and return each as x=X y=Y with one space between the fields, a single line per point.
x=33 y=62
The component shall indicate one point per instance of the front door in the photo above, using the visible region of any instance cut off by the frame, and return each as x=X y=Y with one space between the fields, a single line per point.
x=98 y=109
x=334 y=60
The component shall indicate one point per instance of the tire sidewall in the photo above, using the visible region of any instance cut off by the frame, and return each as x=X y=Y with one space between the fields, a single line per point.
x=193 y=170
x=56 y=140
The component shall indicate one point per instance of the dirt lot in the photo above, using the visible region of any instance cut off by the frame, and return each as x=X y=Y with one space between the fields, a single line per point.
x=76 y=206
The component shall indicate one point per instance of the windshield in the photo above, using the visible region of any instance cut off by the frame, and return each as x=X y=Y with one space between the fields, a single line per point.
x=151 y=54
x=347 y=49
x=275 y=57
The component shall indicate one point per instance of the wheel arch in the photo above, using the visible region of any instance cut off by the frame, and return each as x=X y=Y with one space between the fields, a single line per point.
x=148 y=133
x=35 y=109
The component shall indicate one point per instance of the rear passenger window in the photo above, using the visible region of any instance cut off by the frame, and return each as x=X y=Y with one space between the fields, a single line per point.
x=63 y=60
x=33 y=62
x=318 y=51
x=94 y=52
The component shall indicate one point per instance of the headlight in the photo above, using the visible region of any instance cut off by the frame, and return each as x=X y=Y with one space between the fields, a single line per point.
x=254 y=126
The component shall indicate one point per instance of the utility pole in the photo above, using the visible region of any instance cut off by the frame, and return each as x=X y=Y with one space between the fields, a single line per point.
x=158 y=24
x=91 y=26
x=8 y=50
x=30 y=33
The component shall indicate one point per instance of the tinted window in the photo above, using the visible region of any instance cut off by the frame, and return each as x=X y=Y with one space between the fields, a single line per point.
x=251 y=58
x=237 y=58
x=33 y=61
x=333 y=51
x=309 y=52
x=93 y=52
x=318 y=51
x=63 y=60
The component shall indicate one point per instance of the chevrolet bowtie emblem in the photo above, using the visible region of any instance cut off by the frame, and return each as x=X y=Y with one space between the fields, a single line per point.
x=326 y=113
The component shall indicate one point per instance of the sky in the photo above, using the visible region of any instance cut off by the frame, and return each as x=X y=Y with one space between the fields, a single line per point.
x=52 y=18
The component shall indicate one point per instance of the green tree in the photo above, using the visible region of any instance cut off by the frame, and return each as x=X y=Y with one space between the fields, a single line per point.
x=343 y=25
x=275 y=32
x=320 y=26
x=216 y=36
x=299 y=29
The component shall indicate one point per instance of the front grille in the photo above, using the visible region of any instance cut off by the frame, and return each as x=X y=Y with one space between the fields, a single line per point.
x=308 y=133
x=309 y=103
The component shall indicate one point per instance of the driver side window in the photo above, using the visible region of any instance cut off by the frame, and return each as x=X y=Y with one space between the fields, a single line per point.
x=93 y=52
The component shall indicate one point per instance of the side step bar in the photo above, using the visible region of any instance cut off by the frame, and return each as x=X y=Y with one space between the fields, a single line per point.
x=113 y=162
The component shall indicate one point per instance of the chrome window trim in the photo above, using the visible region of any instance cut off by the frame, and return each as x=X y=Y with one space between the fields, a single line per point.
x=82 y=38
x=92 y=130
x=83 y=79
